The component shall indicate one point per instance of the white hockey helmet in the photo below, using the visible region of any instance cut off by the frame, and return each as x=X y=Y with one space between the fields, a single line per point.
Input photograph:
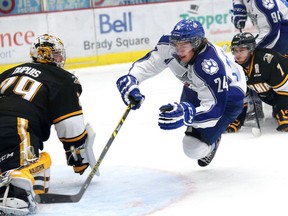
x=48 y=49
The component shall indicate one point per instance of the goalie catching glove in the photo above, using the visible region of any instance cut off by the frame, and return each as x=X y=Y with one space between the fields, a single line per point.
x=81 y=157
x=129 y=90
x=175 y=115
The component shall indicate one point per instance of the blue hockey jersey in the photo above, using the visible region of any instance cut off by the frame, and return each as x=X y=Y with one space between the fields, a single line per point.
x=213 y=78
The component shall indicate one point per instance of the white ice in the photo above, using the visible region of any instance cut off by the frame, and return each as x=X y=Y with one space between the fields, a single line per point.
x=145 y=171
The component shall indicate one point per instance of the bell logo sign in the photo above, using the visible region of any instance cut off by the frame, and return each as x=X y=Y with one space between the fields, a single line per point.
x=16 y=39
x=107 y=24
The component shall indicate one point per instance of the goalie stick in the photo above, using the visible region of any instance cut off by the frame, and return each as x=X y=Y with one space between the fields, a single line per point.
x=65 y=198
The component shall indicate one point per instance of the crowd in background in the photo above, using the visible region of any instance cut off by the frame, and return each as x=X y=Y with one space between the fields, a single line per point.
x=13 y=7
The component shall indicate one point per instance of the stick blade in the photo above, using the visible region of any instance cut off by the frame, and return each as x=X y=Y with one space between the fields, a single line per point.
x=57 y=198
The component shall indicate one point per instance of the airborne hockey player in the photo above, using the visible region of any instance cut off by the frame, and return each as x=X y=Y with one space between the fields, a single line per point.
x=266 y=73
x=213 y=92
x=33 y=96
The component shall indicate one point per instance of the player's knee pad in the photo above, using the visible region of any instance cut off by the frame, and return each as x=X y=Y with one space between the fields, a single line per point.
x=195 y=148
x=38 y=173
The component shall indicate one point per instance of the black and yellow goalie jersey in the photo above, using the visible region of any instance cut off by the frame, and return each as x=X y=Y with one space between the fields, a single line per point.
x=44 y=95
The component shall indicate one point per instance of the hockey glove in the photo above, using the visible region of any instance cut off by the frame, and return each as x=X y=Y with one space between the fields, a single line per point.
x=239 y=16
x=76 y=157
x=175 y=115
x=234 y=126
x=129 y=90
x=239 y=122
x=80 y=157
x=282 y=118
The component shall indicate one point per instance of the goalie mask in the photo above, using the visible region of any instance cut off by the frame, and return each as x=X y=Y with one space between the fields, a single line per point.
x=48 y=49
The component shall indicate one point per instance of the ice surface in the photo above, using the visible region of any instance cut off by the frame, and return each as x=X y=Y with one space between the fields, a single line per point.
x=145 y=172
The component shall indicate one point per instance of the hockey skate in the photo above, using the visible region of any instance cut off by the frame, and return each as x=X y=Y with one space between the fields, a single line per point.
x=207 y=160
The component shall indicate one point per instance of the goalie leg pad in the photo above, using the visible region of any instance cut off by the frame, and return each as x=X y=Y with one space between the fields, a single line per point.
x=38 y=173
x=23 y=184
x=14 y=206
x=19 y=196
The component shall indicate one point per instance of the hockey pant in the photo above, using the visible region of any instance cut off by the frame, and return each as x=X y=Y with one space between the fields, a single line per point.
x=19 y=146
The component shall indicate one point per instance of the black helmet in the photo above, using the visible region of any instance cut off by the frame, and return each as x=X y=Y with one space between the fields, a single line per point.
x=243 y=39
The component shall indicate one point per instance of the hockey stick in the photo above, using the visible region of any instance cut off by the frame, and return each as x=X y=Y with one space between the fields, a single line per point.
x=65 y=198
x=255 y=131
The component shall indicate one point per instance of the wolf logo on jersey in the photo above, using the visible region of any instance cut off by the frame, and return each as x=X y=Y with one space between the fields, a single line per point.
x=213 y=92
x=210 y=66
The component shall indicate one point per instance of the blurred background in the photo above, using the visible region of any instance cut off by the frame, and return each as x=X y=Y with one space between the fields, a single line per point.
x=101 y=32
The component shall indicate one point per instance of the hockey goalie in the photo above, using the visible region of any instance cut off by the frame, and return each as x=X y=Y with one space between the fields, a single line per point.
x=33 y=97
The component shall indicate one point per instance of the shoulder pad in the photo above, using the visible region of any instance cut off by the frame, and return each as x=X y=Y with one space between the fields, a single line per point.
x=164 y=40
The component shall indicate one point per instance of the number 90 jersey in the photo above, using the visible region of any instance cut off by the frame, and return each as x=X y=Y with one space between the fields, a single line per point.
x=269 y=17
x=44 y=95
